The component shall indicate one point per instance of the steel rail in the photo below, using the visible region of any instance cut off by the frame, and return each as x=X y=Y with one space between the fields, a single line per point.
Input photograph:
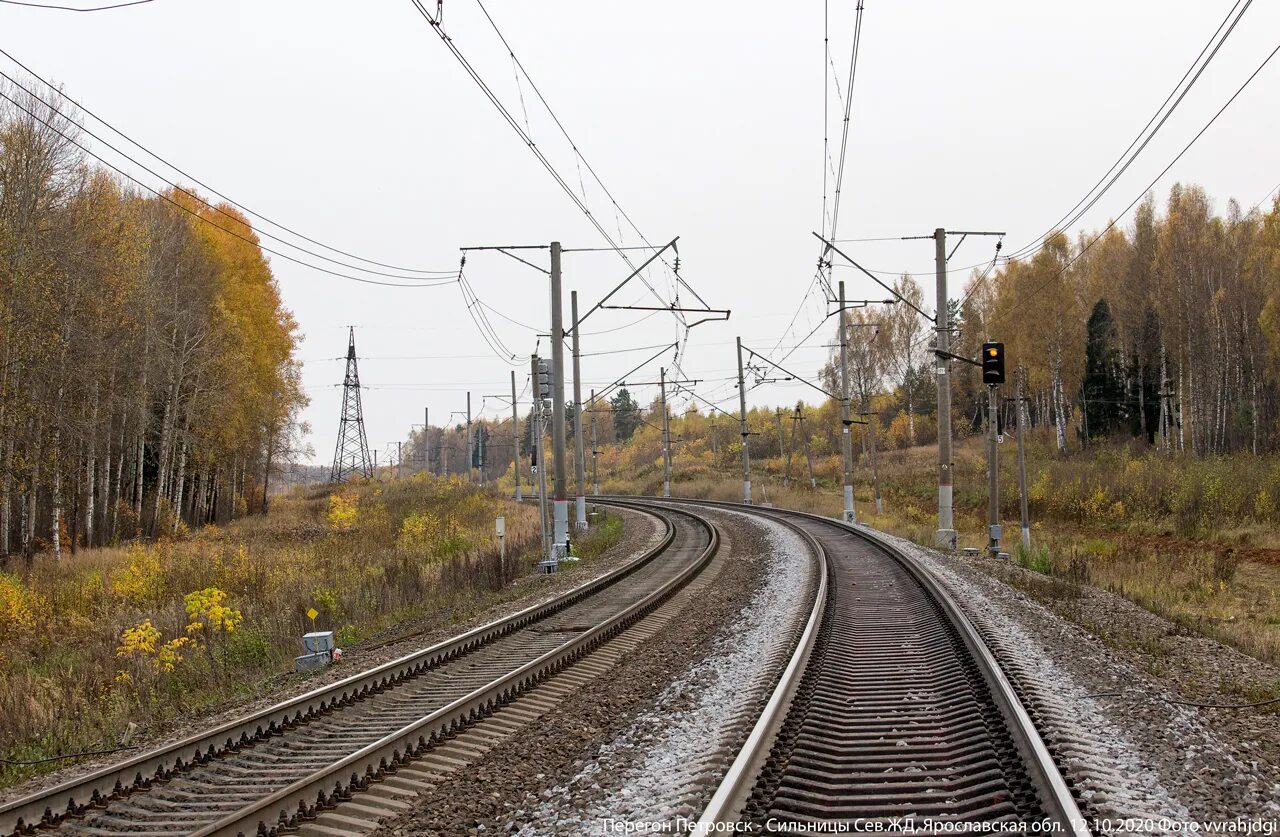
x=1054 y=791
x=69 y=798
x=735 y=789
x=302 y=800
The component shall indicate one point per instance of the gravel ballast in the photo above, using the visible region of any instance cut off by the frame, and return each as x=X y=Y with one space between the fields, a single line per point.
x=645 y=741
x=665 y=748
x=1127 y=742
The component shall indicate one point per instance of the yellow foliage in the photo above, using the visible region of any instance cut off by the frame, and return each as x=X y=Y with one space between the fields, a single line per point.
x=1096 y=505
x=343 y=510
x=142 y=642
x=19 y=606
x=1039 y=491
x=139 y=641
x=141 y=580
x=419 y=532
x=169 y=654
x=1263 y=506
x=207 y=609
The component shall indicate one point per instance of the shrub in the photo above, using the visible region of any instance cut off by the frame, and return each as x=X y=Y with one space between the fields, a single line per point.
x=20 y=607
x=343 y=511
x=141 y=580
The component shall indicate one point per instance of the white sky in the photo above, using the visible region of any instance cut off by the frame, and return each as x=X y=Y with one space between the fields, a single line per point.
x=353 y=124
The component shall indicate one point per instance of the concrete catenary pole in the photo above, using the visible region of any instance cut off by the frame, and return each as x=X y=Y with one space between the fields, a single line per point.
x=1023 y=424
x=539 y=464
x=579 y=457
x=515 y=433
x=846 y=439
x=782 y=447
x=595 y=450
x=993 y=473
x=426 y=450
x=945 y=537
x=666 y=435
x=560 y=506
x=471 y=473
x=742 y=414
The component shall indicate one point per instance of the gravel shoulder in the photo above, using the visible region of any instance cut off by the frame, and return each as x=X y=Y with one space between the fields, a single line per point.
x=640 y=532
x=1112 y=683
x=644 y=741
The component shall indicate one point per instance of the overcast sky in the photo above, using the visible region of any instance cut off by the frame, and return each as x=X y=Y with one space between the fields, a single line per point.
x=352 y=123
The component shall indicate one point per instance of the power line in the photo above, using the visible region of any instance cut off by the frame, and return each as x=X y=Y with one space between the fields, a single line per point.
x=185 y=191
x=194 y=214
x=1073 y=218
x=51 y=6
x=1143 y=193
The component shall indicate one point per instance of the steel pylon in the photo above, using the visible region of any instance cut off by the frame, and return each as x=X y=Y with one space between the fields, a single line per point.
x=351 y=456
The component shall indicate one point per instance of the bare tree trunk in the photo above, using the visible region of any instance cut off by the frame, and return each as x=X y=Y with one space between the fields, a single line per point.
x=29 y=504
x=140 y=460
x=1185 y=408
x=1142 y=401
x=911 y=418
x=1055 y=385
x=6 y=489
x=113 y=521
x=179 y=483
x=56 y=523
x=164 y=464
x=90 y=469
x=266 y=471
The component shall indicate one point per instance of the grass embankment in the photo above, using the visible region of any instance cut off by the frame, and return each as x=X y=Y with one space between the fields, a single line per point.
x=146 y=633
x=1193 y=540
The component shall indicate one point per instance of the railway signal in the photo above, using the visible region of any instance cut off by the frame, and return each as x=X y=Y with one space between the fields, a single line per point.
x=992 y=363
x=542 y=372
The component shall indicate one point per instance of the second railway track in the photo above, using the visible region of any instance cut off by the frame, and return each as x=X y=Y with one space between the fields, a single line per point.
x=280 y=767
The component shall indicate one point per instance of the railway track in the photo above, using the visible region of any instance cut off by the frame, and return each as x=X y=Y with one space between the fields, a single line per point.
x=891 y=707
x=280 y=768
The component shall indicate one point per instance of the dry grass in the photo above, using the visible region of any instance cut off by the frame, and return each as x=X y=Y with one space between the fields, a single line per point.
x=1191 y=540
x=144 y=633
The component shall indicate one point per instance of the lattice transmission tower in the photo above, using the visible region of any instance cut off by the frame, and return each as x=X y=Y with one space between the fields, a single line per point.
x=351 y=456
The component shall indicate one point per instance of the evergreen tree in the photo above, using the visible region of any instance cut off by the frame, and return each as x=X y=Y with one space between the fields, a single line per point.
x=1106 y=407
x=626 y=415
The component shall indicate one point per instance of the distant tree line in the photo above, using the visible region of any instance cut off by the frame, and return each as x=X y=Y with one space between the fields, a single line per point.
x=147 y=374
x=1168 y=330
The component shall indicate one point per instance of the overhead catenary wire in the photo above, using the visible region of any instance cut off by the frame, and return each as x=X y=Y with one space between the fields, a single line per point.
x=844 y=137
x=581 y=160
x=471 y=71
x=197 y=215
x=830 y=222
x=487 y=332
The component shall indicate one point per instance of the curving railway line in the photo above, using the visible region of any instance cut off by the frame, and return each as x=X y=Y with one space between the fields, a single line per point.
x=280 y=768
x=892 y=707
